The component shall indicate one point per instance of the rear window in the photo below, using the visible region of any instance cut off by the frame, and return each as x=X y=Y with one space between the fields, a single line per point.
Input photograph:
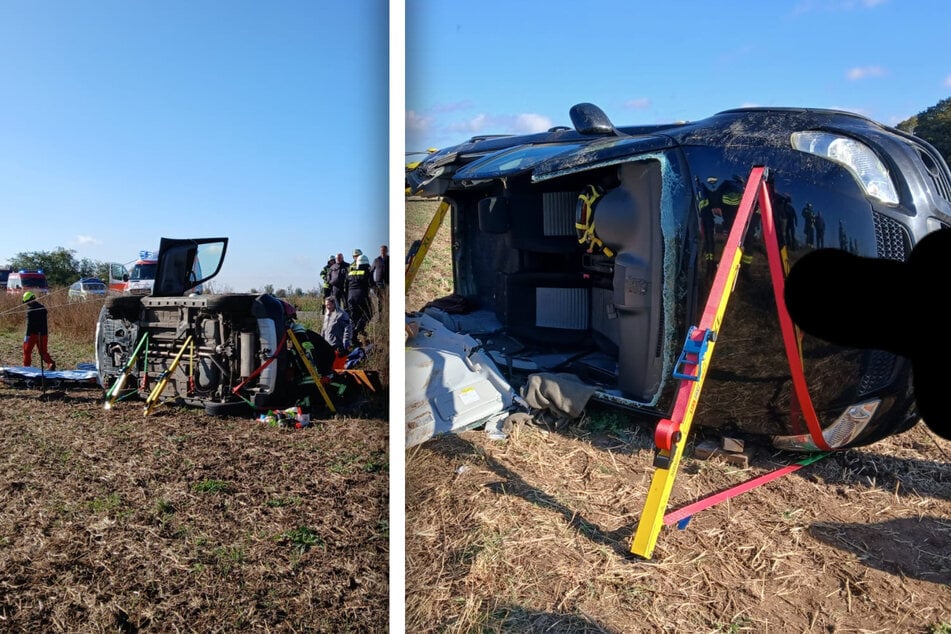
x=94 y=286
x=33 y=282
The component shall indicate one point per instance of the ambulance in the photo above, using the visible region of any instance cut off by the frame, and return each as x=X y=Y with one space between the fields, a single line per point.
x=24 y=280
x=137 y=279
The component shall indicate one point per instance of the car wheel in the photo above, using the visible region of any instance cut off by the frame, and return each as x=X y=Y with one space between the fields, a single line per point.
x=231 y=303
x=124 y=307
x=229 y=408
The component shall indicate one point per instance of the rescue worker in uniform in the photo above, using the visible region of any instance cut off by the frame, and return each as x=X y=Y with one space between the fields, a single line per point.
x=707 y=221
x=325 y=288
x=809 y=224
x=820 y=230
x=727 y=197
x=784 y=221
x=359 y=302
x=338 y=280
x=37 y=331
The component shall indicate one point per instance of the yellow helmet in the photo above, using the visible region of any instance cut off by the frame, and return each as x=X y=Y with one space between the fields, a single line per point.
x=28 y=296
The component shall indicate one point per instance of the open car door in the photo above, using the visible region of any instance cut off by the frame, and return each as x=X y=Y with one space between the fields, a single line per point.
x=184 y=265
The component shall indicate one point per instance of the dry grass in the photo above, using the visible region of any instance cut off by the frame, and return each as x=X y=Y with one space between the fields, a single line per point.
x=72 y=328
x=182 y=522
x=434 y=278
x=532 y=534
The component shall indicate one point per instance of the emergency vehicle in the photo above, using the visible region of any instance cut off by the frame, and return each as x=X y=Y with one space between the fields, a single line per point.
x=27 y=280
x=137 y=279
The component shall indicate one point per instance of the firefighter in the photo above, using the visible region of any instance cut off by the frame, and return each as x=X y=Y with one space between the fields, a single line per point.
x=727 y=197
x=325 y=288
x=820 y=230
x=707 y=220
x=37 y=332
x=809 y=223
x=359 y=303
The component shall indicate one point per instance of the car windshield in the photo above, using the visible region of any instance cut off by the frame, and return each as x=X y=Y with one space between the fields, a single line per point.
x=143 y=271
x=33 y=282
x=94 y=286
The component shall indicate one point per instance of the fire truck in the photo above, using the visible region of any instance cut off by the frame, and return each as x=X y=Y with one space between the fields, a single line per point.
x=136 y=278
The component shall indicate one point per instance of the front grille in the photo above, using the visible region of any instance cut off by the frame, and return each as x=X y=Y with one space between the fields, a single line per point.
x=892 y=243
x=939 y=177
x=891 y=238
x=879 y=366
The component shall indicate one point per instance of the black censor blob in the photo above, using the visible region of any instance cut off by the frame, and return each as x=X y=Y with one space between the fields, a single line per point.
x=885 y=305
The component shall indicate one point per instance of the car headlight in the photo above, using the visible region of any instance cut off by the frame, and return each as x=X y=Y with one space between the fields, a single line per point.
x=855 y=156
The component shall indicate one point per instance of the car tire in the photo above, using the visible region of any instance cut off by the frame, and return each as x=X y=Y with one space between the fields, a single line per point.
x=124 y=307
x=228 y=408
x=231 y=303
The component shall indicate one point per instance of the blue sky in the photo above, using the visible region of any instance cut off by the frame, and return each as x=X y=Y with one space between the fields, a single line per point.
x=266 y=122
x=511 y=66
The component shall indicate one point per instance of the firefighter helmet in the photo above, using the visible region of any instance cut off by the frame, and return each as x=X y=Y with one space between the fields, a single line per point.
x=28 y=296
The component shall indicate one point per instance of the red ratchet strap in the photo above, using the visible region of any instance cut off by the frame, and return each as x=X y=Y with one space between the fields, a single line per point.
x=792 y=338
x=682 y=515
x=260 y=369
x=667 y=433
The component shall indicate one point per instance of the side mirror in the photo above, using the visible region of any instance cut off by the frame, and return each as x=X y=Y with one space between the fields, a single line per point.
x=587 y=118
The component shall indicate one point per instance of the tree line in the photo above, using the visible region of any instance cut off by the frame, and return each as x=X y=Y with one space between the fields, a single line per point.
x=60 y=266
x=933 y=125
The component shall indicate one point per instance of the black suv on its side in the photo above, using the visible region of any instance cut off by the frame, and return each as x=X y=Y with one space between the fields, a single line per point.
x=591 y=250
x=226 y=353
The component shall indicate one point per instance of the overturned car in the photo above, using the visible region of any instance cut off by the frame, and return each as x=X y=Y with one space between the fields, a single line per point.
x=227 y=353
x=590 y=252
